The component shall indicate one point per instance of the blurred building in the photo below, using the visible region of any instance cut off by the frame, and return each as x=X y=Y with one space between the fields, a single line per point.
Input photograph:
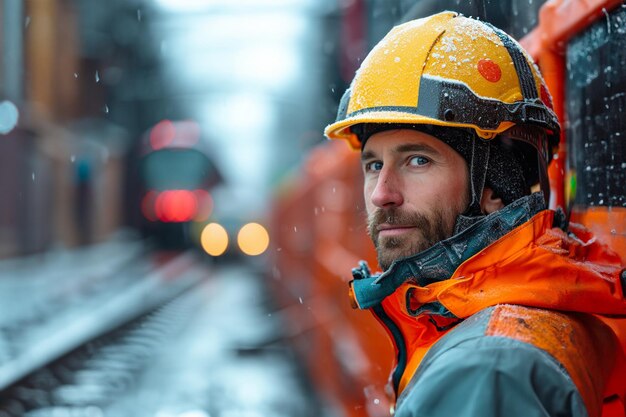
x=86 y=81
x=64 y=163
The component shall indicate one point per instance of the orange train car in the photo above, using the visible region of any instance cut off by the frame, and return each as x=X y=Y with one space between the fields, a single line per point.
x=319 y=235
x=177 y=174
x=579 y=46
x=319 y=218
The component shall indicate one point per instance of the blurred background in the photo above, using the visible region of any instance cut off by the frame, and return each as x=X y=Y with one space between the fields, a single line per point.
x=163 y=223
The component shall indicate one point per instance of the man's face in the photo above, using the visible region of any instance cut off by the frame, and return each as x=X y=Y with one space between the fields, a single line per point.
x=415 y=187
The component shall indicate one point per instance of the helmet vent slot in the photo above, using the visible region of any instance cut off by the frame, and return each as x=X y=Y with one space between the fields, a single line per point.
x=449 y=115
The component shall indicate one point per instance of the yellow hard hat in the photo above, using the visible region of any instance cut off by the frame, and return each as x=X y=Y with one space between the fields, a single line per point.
x=448 y=70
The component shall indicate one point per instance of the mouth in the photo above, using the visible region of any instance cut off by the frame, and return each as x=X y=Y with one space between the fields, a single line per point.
x=388 y=230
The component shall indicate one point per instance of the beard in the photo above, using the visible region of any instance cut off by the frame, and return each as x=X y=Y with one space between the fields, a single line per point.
x=429 y=230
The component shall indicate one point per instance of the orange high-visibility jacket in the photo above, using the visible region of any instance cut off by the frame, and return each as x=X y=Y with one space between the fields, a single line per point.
x=512 y=317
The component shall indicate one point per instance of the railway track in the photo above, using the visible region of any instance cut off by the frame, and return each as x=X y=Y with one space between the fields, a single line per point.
x=91 y=377
x=170 y=337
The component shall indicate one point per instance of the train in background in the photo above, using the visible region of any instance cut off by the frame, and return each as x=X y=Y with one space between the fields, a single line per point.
x=319 y=218
x=178 y=176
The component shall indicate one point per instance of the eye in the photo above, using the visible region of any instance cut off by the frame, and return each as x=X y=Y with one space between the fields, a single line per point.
x=418 y=160
x=373 y=166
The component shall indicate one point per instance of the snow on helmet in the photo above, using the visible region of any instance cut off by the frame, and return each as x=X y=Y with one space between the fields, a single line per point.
x=452 y=71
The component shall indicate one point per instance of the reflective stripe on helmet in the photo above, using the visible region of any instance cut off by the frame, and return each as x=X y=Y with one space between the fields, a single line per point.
x=454 y=102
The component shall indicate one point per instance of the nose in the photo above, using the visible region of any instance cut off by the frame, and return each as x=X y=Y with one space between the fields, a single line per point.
x=387 y=192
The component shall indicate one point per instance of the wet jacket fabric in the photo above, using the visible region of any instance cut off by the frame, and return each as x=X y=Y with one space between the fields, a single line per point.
x=511 y=317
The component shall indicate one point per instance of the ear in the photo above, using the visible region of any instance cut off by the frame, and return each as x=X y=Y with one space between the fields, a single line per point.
x=490 y=202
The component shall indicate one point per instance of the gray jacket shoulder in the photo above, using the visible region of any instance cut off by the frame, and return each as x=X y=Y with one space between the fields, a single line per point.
x=468 y=373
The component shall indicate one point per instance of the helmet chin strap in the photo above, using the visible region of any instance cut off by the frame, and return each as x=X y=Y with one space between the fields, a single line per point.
x=544 y=180
x=478 y=174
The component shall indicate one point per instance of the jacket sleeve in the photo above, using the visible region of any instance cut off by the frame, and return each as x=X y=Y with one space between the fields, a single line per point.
x=491 y=377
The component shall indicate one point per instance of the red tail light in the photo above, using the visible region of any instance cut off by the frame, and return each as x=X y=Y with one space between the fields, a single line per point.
x=173 y=206
x=176 y=206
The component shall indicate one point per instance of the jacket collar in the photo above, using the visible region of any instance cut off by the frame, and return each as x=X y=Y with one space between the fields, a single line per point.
x=439 y=262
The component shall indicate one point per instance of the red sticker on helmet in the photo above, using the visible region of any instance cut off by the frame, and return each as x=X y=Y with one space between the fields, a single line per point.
x=489 y=70
x=545 y=96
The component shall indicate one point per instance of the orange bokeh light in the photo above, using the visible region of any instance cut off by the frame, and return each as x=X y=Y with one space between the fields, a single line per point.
x=214 y=239
x=253 y=239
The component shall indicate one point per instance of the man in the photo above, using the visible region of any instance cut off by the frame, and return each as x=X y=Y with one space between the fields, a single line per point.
x=495 y=307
